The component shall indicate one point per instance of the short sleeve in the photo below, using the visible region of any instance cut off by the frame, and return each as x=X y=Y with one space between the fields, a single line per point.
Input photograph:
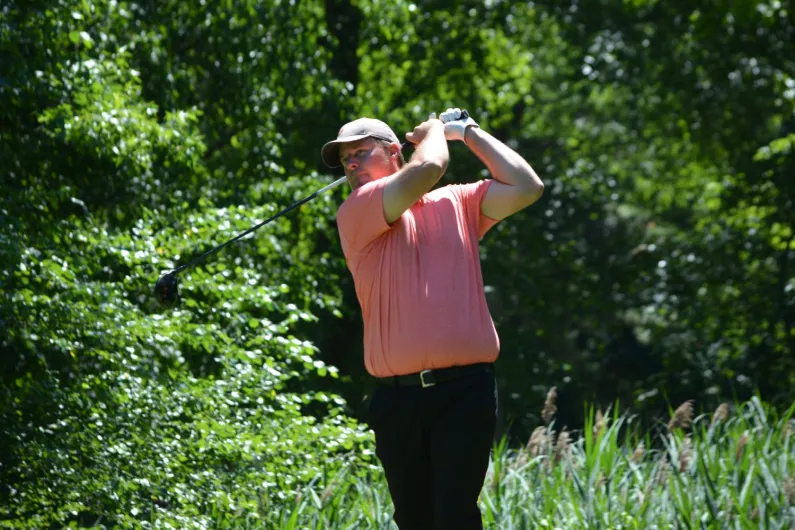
x=471 y=196
x=360 y=219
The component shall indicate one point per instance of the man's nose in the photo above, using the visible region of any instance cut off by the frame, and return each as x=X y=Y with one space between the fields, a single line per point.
x=352 y=164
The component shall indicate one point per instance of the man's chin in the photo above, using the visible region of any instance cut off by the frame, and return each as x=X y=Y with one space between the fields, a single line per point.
x=359 y=182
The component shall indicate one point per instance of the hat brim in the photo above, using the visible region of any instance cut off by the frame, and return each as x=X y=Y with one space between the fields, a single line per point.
x=330 y=153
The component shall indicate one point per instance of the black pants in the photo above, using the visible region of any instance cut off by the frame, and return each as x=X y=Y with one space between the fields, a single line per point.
x=434 y=444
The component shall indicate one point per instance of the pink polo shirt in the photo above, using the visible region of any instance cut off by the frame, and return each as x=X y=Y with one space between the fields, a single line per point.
x=419 y=282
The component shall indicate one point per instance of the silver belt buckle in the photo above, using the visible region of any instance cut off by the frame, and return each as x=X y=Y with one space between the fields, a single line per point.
x=422 y=379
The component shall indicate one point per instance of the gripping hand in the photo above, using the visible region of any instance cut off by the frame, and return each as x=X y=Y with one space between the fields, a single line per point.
x=456 y=122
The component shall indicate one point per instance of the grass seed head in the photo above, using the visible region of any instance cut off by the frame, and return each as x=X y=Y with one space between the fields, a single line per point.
x=549 y=405
x=639 y=453
x=520 y=460
x=599 y=424
x=685 y=454
x=562 y=445
x=741 y=443
x=537 y=442
x=721 y=413
x=662 y=471
x=682 y=417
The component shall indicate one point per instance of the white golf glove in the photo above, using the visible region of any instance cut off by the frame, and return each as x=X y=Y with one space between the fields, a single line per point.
x=456 y=123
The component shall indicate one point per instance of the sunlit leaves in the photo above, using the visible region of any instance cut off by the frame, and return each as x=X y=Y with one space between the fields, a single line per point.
x=141 y=135
x=140 y=154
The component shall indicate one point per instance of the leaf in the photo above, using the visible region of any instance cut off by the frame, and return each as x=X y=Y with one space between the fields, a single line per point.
x=779 y=146
x=87 y=40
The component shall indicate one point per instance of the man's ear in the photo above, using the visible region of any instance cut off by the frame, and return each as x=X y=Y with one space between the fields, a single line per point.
x=394 y=149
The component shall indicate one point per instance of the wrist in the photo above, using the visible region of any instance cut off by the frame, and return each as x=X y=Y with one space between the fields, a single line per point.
x=466 y=130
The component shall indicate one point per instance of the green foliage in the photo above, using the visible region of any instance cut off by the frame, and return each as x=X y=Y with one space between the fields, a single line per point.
x=138 y=135
x=114 y=411
x=719 y=472
x=130 y=449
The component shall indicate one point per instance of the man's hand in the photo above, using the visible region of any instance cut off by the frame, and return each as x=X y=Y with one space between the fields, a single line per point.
x=455 y=126
x=421 y=130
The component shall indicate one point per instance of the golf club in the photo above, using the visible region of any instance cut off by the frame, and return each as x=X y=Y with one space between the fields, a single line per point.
x=167 y=289
x=167 y=286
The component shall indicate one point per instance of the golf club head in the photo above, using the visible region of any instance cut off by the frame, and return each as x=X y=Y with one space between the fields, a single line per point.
x=167 y=289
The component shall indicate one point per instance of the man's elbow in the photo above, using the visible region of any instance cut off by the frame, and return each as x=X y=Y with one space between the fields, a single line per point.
x=538 y=190
x=533 y=188
x=435 y=167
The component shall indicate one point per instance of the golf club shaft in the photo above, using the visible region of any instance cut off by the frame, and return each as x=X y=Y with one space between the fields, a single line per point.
x=266 y=221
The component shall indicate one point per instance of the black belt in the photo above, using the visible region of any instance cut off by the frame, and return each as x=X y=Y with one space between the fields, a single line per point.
x=428 y=378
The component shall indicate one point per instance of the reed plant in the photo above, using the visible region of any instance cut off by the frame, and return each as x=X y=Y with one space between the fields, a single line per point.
x=732 y=468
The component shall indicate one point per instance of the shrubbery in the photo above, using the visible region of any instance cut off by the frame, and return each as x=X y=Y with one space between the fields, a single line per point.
x=138 y=135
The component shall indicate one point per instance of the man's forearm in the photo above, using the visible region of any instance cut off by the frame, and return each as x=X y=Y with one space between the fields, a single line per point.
x=418 y=175
x=504 y=164
x=427 y=164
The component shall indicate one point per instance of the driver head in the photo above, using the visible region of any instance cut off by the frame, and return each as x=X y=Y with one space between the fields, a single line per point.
x=167 y=289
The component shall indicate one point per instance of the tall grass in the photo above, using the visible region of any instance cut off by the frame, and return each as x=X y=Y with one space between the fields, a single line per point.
x=731 y=469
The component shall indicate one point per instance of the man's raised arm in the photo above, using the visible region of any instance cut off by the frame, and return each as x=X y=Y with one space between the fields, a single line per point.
x=421 y=172
x=517 y=186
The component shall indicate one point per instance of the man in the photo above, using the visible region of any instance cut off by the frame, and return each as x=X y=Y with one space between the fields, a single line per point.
x=428 y=335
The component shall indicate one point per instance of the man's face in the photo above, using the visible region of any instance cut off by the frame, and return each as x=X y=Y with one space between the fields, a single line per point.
x=366 y=161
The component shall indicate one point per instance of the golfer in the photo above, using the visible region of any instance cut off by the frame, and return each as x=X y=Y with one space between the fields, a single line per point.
x=429 y=338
